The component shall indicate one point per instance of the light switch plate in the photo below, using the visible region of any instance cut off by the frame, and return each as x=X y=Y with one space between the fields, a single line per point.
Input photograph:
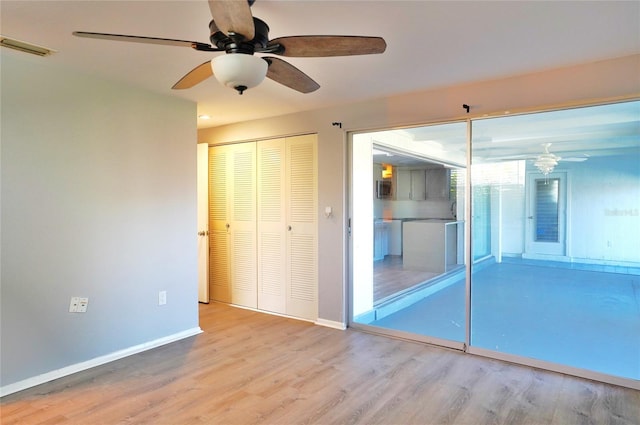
x=162 y=297
x=73 y=305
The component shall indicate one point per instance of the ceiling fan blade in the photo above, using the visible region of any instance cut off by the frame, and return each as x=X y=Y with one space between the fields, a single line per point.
x=288 y=75
x=195 y=76
x=146 y=40
x=328 y=45
x=233 y=16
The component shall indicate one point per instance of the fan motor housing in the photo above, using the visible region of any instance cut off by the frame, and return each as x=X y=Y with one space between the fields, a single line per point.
x=237 y=43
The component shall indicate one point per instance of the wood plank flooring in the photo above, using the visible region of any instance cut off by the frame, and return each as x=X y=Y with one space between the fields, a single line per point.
x=254 y=368
x=390 y=277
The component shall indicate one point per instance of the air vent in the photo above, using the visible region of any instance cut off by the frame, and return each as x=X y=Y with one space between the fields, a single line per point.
x=25 y=47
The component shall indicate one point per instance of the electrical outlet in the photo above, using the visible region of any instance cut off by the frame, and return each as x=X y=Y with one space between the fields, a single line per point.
x=78 y=305
x=82 y=305
x=162 y=297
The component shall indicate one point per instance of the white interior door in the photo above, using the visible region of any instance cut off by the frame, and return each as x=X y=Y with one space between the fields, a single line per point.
x=546 y=215
x=219 y=261
x=203 y=222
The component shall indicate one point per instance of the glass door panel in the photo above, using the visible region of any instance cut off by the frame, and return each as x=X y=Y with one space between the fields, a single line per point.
x=408 y=244
x=562 y=284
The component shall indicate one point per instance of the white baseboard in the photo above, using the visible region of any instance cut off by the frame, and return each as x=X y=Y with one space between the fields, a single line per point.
x=320 y=322
x=78 y=367
x=331 y=324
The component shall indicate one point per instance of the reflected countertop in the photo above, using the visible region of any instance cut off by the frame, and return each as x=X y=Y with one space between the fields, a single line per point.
x=422 y=220
x=444 y=221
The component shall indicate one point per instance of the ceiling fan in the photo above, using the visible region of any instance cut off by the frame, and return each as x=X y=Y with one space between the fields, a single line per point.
x=235 y=31
x=545 y=162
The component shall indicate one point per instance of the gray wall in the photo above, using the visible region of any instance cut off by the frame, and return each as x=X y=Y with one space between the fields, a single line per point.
x=98 y=200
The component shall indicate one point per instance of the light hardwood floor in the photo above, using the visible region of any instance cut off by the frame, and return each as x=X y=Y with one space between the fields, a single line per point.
x=254 y=368
x=391 y=277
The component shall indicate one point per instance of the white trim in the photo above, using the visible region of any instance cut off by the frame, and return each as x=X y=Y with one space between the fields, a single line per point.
x=98 y=361
x=273 y=313
x=546 y=257
x=320 y=322
x=555 y=367
x=331 y=324
x=410 y=336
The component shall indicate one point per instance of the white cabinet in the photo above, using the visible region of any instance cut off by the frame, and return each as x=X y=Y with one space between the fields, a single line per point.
x=269 y=261
x=232 y=224
x=395 y=237
x=410 y=185
x=387 y=238
x=380 y=240
x=437 y=182
x=403 y=184
x=430 y=245
x=418 y=185
x=422 y=184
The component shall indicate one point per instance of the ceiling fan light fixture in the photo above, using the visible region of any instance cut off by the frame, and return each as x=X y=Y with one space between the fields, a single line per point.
x=239 y=71
x=547 y=161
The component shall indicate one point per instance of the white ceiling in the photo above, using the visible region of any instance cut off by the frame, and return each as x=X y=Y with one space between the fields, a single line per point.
x=429 y=44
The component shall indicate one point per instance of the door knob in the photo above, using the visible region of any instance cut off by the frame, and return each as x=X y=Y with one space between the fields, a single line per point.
x=202 y=233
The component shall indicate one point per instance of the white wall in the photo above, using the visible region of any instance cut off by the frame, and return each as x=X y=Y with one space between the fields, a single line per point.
x=362 y=225
x=572 y=85
x=99 y=201
x=604 y=210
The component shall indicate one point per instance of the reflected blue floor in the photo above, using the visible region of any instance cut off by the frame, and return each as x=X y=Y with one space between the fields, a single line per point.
x=581 y=318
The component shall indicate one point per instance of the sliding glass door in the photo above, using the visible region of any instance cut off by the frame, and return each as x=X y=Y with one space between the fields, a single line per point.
x=562 y=283
x=553 y=238
x=408 y=232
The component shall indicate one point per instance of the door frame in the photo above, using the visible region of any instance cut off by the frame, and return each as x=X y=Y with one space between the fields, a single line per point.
x=545 y=250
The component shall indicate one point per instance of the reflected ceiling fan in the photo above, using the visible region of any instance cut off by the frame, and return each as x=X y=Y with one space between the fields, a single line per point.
x=546 y=161
x=235 y=31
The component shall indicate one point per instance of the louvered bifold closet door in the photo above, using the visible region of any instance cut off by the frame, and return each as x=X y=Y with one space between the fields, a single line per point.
x=242 y=225
x=271 y=226
x=302 y=233
x=219 y=243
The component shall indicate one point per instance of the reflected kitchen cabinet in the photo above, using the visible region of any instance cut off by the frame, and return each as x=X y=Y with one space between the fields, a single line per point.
x=437 y=182
x=403 y=184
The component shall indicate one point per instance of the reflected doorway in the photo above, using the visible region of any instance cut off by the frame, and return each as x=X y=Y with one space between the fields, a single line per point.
x=546 y=215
